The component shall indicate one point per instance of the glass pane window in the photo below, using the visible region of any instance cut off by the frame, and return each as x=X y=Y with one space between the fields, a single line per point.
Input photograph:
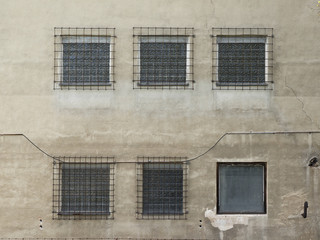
x=241 y=188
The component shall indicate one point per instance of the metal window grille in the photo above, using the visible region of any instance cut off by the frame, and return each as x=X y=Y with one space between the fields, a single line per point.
x=162 y=188
x=83 y=188
x=242 y=58
x=241 y=188
x=163 y=58
x=84 y=58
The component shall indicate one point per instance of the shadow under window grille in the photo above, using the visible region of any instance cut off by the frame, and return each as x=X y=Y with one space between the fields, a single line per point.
x=242 y=58
x=162 y=188
x=163 y=58
x=84 y=58
x=83 y=188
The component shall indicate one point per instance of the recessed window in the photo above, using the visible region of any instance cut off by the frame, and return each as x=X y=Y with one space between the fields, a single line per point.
x=242 y=58
x=84 y=190
x=84 y=60
x=161 y=190
x=163 y=58
x=241 y=188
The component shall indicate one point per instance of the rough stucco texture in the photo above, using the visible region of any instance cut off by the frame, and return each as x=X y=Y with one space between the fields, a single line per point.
x=127 y=123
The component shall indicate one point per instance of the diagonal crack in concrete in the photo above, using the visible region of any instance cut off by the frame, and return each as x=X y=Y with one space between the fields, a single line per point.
x=301 y=101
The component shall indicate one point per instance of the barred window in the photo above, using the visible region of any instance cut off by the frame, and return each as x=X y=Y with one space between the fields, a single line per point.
x=242 y=58
x=84 y=58
x=163 y=58
x=241 y=188
x=83 y=189
x=161 y=190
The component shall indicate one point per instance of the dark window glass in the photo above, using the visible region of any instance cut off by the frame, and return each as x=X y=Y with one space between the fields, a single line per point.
x=241 y=188
x=85 y=188
x=86 y=63
x=241 y=63
x=163 y=63
x=162 y=189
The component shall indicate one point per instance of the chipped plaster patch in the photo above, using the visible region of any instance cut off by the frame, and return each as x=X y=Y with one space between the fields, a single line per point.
x=292 y=205
x=224 y=222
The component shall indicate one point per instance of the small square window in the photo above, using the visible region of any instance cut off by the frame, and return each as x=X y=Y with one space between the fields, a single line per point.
x=84 y=58
x=241 y=188
x=163 y=58
x=161 y=190
x=242 y=59
x=83 y=190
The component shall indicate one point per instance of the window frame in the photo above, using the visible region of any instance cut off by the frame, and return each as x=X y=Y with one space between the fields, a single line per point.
x=83 y=35
x=160 y=35
x=238 y=35
x=264 y=164
x=140 y=195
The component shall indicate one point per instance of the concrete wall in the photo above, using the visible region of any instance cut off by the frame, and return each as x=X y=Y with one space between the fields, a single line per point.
x=127 y=123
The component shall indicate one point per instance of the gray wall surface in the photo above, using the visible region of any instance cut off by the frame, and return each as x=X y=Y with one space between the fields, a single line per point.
x=126 y=123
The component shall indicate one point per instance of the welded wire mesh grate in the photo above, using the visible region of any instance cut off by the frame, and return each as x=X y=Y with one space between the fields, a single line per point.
x=84 y=58
x=83 y=188
x=162 y=188
x=242 y=58
x=163 y=58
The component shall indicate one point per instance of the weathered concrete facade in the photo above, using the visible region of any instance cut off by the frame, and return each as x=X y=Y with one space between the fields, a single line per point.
x=126 y=123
